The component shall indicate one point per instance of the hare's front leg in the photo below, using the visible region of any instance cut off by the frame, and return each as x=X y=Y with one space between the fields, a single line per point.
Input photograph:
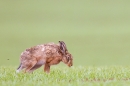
x=47 y=68
x=55 y=61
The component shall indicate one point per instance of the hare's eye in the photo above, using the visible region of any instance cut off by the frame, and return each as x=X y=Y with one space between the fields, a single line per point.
x=67 y=57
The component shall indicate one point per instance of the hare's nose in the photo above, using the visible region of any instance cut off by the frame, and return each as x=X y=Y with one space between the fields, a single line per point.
x=70 y=65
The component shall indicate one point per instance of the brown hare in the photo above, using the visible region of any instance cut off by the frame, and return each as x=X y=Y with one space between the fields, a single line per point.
x=44 y=54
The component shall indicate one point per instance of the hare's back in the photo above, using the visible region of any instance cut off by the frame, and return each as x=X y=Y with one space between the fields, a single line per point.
x=32 y=52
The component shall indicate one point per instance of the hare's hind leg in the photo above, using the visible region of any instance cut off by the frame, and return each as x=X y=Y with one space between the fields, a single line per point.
x=19 y=68
x=37 y=65
x=31 y=65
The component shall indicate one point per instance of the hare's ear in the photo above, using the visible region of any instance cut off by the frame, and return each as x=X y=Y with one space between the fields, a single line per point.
x=62 y=48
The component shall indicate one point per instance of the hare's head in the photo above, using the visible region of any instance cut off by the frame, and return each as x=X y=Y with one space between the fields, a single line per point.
x=67 y=57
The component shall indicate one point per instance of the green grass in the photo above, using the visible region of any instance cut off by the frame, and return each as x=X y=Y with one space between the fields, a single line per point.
x=64 y=76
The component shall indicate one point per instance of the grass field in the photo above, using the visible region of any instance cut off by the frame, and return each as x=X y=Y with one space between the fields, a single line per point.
x=76 y=76
x=97 y=33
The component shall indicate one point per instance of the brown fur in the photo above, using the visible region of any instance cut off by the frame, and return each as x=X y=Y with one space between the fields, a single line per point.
x=45 y=54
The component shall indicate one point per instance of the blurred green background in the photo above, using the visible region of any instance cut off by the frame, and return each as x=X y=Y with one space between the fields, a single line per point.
x=97 y=32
